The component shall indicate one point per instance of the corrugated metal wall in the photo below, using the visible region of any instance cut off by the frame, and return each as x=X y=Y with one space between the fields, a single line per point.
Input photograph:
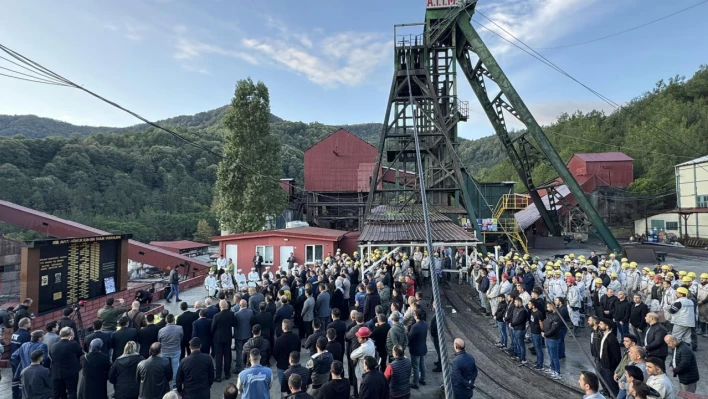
x=332 y=165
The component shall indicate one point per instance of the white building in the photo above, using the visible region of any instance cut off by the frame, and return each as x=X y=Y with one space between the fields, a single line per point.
x=691 y=216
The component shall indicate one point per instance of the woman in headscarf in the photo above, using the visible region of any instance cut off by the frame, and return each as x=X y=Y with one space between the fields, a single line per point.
x=123 y=371
x=95 y=366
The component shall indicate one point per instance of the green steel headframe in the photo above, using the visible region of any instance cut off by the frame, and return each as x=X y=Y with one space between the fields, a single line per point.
x=430 y=58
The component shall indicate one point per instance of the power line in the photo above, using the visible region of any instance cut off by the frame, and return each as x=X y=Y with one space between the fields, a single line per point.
x=69 y=83
x=560 y=70
x=32 y=76
x=32 y=80
x=43 y=75
x=626 y=30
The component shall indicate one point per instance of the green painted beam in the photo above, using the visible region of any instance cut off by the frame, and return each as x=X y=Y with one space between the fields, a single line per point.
x=474 y=41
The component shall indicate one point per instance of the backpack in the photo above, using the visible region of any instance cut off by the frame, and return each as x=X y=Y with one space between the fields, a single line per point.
x=131 y=320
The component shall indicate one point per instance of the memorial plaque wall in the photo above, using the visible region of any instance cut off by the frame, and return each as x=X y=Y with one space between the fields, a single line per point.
x=76 y=268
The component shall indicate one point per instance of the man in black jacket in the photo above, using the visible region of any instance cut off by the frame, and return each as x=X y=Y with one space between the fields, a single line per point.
x=654 y=338
x=195 y=373
x=222 y=329
x=186 y=320
x=372 y=300
x=317 y=332
x=100 y=334
x=295 y=369
x=147 y=336
x=202 y=329
x=339 y=326
x=21 y=311
x=622 y=313
x=284 y=346
x=610 y=356
x=518 y=326
x=637 y=315
x=264 y=319
x=373 y=383
x=122 y=337
x=338 y=387
x=66 y=321
x=154 y=374
x=683 y=364
x=256 y=342
x=65 y=367
x=284 y=312
x=608 y=302
x=334 y=347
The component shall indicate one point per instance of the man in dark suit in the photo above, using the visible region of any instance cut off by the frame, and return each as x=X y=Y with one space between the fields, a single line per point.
x=284 y=312
x=66 y=321
x=258 y=262
x=322 y=304
x=222 y=329
x=610 y=355
x=65 y=355
x=102 y=335
x=122 y=337
x=212 y=309
x=242 y=332
x=147 y=336
x=265 y=320
x=284 y=345
x=195 y=373
x=202 y=329
x=340 y=326
x=186 y=319
x=654 y=337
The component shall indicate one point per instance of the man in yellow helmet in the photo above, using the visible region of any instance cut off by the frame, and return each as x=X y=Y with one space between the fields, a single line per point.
x=683 y=316
x=702 y=297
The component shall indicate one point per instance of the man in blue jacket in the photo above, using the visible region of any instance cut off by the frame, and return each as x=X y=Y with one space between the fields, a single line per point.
x=464 y=371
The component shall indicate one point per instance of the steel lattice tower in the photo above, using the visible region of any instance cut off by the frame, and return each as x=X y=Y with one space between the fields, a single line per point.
x=432 y=58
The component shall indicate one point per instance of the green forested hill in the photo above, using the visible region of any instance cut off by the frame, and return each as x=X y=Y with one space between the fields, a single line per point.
x=146 y=182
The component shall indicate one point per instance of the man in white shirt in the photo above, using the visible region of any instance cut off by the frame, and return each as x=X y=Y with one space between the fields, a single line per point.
x=221 y=262
x=658 y=378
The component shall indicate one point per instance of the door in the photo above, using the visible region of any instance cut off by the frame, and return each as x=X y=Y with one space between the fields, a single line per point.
x=232 y=252
x=284 y=254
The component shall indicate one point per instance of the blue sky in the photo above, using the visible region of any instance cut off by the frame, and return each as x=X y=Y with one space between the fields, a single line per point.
x=326 y=61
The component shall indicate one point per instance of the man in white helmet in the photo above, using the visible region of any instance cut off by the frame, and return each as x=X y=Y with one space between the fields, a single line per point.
x=210 y=284
x=253 y=277
x=241 y=279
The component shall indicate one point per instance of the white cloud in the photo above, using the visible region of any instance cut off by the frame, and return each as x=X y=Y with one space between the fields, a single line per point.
x=180 y=28
x=109 y=27
x=196 y=69
x=344 y=59
x=533 y=21
x=188 y=49
x=135 y=32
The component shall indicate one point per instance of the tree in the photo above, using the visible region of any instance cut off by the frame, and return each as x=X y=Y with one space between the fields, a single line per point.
x=247 y=188
x=204 y=232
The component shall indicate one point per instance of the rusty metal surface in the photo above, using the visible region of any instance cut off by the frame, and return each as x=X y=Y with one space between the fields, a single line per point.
x=406 y=232
x=411 y=212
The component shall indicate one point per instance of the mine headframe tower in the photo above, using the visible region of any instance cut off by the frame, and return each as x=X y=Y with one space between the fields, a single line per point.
x=431 y=60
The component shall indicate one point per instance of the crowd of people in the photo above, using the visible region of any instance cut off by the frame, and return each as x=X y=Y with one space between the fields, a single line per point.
x=365 y=334
x=637 y=318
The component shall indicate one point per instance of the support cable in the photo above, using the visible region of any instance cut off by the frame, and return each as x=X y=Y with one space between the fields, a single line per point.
x=439 y=313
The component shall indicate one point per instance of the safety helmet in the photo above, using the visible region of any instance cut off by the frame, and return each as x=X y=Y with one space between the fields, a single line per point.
x=683 y=273
x=670 y=274
x=571 y=256
x=704 y=275
x=646 y=269
x=682 y=290
x=557 y=272
x=631 y=266
x=687 y=279
x=612 y=255
x=692 y=274
x=614 y=275
x=570 y=279
x=625 y=266
x=664 y=267
x=598 y=281
x=567 y=274
x=625 y=260
x=603 y=269
x=578 y=275
x=550 y=273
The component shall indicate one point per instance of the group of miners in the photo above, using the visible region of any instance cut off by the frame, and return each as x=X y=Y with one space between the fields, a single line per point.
x=653 y=313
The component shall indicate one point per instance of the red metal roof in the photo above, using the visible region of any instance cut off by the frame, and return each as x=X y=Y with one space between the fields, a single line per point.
x=299 y=232
x=50 y=225
x=604 y=157
x=181 y=244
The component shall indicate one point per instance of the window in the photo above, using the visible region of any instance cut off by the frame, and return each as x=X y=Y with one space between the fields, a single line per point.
x=702 y=201
x=313 y=253
x=266 y=251
x=657 y=225
x=671 y=225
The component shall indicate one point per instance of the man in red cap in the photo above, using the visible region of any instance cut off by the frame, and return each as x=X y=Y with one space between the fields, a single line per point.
x=366 y=348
